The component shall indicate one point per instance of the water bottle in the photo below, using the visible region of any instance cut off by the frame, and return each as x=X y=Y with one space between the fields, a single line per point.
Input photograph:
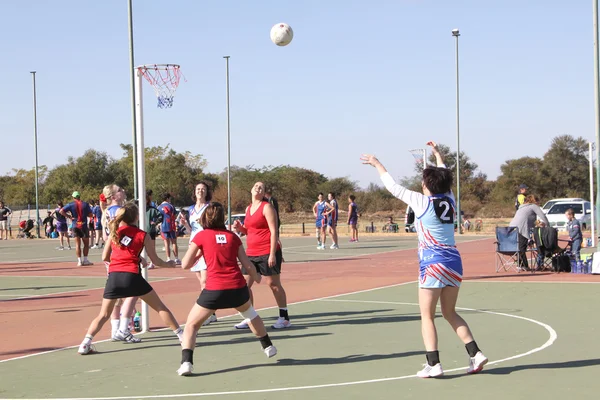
x=579 y=267
x=137 y=322
x=573 y=267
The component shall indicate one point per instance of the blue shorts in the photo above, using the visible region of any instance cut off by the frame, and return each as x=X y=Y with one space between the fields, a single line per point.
x=438 y=275
x=321 y=222
x=98 y=226
x=169 y=235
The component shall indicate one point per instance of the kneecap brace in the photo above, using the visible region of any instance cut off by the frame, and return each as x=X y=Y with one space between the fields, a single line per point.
x=249 y=314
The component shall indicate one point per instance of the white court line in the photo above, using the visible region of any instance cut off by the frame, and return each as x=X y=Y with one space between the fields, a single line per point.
x=81 y=290
x=548 y=343
x=483 y=280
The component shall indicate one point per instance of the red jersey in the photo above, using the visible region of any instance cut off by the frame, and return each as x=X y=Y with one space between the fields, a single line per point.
x=259 y=234
x=125 y=257
x=220 y=249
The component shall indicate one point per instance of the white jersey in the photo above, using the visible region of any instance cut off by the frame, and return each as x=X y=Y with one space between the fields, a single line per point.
x=196 y=227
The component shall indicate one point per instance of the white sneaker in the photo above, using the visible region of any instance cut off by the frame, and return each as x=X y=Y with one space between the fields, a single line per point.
x=86 y=263
x=270 y=351
x=282 y=323
x=126 y=337
x=431 y=372
x=150 y=265
x=79 y=263
x=94 y=247
x=477 y=363
x=177 y=261
x=242 y=325
x=60 y=248
x=321 y=247
x=185 y=369
x=334 y=246
x=86 y=349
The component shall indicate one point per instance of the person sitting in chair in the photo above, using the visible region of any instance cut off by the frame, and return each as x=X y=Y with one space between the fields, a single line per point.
x=524 y=220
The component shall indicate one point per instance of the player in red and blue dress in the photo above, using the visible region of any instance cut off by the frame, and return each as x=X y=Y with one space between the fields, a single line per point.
x=440 y=264
x=79 y=211
x=225 y=284
x=126 y=242
x=169 y=227
x=321 y=210
x=97 y=212
x=61 y=227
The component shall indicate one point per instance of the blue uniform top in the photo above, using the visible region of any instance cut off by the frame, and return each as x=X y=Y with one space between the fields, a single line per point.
x=80 y=210
x=168 y=212
x=321 y=209
x=435 y=228
x=97 y=211
x=333 y=216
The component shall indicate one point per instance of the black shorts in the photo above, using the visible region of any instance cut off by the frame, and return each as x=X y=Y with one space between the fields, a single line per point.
x=82 y=232
x=120 y=285
x=221 y=299
x=261 y=263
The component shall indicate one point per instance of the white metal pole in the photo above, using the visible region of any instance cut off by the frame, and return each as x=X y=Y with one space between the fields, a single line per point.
x=228 y=142
x=133 y=111
x=597 y=108
x=141 y=166
x=424 y=158
x=35 y=135
x=593 y=218
x=456 y=34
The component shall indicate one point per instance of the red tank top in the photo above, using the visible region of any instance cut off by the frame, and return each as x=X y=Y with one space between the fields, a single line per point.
x=259 y=234
x=125 y=257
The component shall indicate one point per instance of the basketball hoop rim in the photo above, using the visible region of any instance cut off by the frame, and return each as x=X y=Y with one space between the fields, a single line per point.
x=162 y=67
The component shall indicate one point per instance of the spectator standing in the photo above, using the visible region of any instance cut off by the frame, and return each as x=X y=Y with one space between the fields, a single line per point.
x=4 y=213
x=574 y=229
x=524 y=220
x=521 y=196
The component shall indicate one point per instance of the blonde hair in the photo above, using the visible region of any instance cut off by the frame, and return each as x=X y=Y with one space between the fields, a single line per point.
x=128 y=214
x=108 y=192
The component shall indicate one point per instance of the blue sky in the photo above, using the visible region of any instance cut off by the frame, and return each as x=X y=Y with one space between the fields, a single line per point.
x=360 y=76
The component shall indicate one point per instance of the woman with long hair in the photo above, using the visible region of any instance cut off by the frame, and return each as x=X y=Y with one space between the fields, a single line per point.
x=524 y=220
x=264 y=251
x=225 y=286
x=124 y=275
x=202 y=196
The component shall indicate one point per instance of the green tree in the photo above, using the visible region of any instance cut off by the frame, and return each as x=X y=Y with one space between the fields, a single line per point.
x=565 y=166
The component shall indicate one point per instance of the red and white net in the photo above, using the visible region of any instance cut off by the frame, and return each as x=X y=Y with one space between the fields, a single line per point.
x=164 y=79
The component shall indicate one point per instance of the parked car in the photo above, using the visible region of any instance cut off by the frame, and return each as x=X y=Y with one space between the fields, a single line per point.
x=234 y=217
x=552 y=202
x=582 y=209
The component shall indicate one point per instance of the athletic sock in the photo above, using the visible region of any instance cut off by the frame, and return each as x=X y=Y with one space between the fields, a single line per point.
x=79 y=260
x=187 y=355
x=124 y=324
x=265 y=341
x=88 y=339
x=472 y=348
x=433 y=357
x=114 y=323
x=85 y=259
x=283 y=313
x=179 y=333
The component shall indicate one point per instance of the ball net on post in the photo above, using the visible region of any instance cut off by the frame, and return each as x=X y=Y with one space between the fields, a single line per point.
x=164 y=79
x=420 y=156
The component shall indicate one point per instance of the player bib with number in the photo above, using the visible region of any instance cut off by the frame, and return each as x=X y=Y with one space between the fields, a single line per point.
x=221 y=239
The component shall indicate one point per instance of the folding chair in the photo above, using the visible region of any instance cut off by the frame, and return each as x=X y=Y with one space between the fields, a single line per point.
x=547 y=246
x=507 y=248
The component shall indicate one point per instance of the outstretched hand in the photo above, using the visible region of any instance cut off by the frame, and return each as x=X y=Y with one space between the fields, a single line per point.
x=433 y=145
x=369 y=159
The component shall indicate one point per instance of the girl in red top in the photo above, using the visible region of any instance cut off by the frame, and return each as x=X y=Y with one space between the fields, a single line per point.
x=225 y=284
x=124 y=276
x=260 y=226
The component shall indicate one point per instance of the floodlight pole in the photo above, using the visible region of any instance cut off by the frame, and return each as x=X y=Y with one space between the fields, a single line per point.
x=228 y=142
x=35 y=135
x=139 y=123
x=597 y=108
x=133 y=110
x=456 y=34
x=593 y=220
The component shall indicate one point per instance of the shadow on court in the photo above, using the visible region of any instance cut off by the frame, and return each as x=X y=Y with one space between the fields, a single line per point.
x=43 y=287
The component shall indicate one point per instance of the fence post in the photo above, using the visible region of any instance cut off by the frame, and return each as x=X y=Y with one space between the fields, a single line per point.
x=303 y=230
x=372 y=227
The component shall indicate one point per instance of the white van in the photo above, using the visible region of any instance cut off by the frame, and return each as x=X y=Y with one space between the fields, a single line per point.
x=552 y=202
x=582 y=209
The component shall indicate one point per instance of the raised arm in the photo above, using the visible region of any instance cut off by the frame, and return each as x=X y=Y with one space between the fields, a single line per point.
x=439 y=160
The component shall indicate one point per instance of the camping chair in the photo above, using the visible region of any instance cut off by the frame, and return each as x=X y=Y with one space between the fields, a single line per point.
x=547 y=246
x=507 y=248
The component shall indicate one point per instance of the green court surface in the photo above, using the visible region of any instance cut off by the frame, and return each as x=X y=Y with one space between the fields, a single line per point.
x=23 y=287
x=540 y=339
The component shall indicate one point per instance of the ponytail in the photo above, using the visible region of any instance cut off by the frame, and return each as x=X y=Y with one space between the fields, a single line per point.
x=127 y=214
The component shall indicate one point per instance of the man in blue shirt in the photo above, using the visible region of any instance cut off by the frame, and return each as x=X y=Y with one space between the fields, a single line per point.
x=169 y=227
x=79 y=211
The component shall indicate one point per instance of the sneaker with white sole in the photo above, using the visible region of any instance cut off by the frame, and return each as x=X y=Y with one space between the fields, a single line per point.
x=282 y=323
x=334 y=246
x=431 y=372
x=242 y=325
x=94 y=247
x=79 y=263
x=270 y=351
x=60 y=248
x=86 y=348
x=321 y=247
x=177 y=261
x=477 y=363
x=86 y=263
x=185 y=369
x=126 y=337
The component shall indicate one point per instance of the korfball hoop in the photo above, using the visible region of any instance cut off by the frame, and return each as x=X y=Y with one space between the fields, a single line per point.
x=420 y=156
x=164 y=79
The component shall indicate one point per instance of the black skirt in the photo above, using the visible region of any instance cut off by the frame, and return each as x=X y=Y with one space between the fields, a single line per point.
x=120 y=285
x=222 y=299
